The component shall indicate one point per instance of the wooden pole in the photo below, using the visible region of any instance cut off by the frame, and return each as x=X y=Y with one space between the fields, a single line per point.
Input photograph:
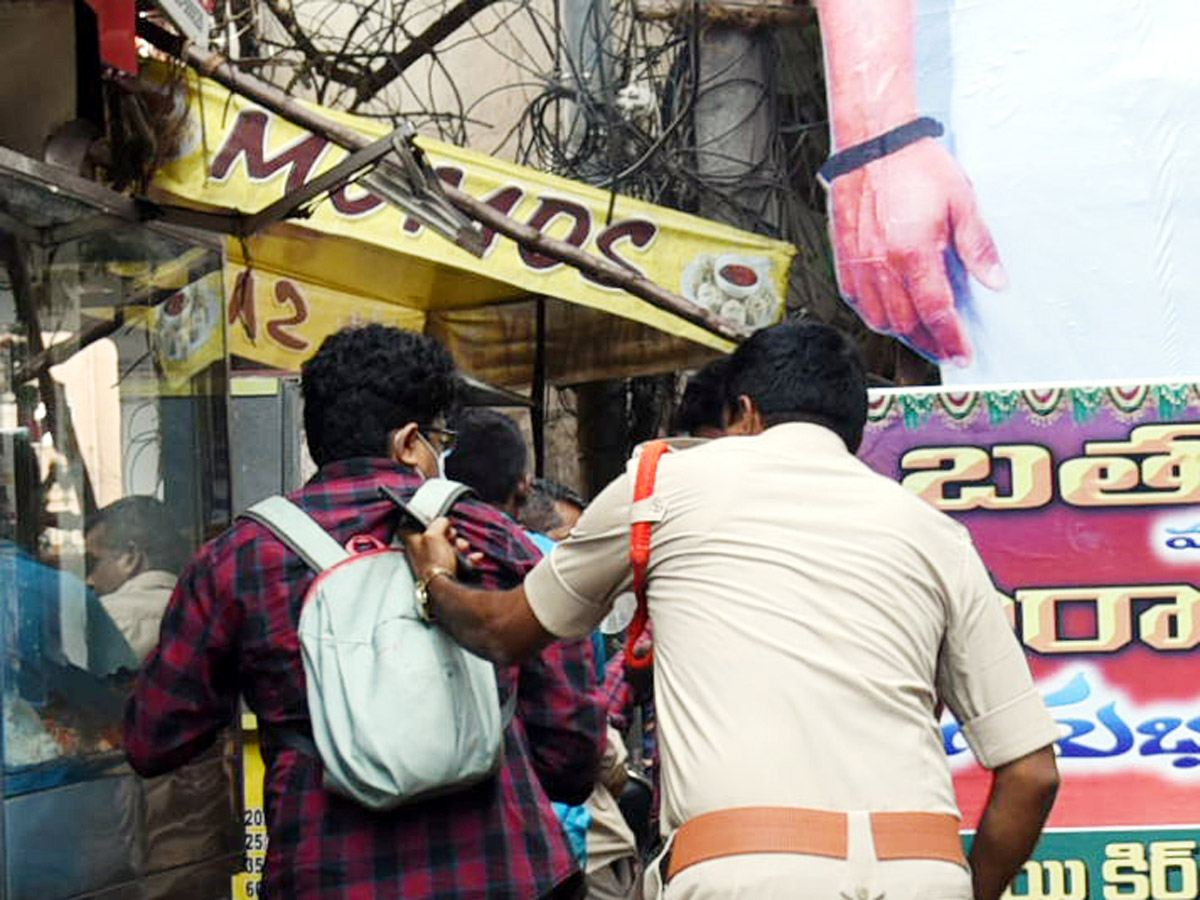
x=538 y=392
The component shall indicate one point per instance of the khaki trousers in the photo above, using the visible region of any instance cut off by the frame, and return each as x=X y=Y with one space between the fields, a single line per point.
x=619 y=880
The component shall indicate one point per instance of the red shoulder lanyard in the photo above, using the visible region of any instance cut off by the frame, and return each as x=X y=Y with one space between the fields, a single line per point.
x=639 y=552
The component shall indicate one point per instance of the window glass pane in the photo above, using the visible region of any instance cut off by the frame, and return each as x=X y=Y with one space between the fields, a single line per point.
x=112 y=465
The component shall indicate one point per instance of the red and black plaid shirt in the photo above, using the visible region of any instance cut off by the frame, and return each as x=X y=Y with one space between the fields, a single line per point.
x=230 y=630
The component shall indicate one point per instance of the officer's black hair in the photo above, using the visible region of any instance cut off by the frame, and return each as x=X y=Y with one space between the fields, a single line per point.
x=802 y=372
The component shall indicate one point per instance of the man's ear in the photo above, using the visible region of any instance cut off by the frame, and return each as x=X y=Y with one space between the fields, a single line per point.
x=131 y=561
x=745 y=417
x=405 y=446
x=523 y=489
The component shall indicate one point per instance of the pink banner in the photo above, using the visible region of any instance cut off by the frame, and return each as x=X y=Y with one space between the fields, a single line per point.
x=1085 y=505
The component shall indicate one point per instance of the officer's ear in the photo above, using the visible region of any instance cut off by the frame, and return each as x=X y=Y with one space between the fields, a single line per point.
x=745 y=417
x=406 y=446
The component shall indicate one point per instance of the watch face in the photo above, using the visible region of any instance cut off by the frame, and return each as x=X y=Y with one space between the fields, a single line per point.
x=421 y=596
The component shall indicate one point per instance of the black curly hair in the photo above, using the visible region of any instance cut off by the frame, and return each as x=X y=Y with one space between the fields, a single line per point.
x=366 y=381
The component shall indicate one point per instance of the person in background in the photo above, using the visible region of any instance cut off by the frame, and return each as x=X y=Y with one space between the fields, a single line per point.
x=550 y=511
x=491 y=457
x=375 y=405
x=134 y=554
x=810 y=615
x=702 y=411
x=567 y=504
x=539 y=516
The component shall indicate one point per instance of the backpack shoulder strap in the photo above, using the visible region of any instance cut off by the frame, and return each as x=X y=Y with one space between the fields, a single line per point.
x=432 y=499
x=435 y=497
x=299 y=531
x=639 y=550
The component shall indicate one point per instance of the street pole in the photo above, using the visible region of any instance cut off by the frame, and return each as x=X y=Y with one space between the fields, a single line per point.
x=735 y=129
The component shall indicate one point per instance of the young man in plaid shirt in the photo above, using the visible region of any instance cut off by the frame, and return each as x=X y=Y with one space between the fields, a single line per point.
x=375 y=400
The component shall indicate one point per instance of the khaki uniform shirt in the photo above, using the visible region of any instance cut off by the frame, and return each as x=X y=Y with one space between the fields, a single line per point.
x=808 y=614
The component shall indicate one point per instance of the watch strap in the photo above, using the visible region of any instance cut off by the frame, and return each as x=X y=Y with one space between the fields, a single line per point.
x=859 y=155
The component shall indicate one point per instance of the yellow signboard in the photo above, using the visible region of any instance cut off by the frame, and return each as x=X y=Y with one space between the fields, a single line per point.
x=186 y=331
x=254 y=826
x=279 y=320
x=236 y=155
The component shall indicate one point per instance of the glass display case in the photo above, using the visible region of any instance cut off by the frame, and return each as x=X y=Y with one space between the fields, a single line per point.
x=113 y=469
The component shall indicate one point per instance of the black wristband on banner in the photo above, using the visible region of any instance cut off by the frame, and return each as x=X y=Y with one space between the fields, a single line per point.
x=859 y=155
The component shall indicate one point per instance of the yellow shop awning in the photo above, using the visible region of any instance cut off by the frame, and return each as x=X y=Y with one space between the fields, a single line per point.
x=355 y=258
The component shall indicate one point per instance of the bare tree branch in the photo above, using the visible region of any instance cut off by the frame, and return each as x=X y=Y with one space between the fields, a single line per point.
x=422 y=45
x=322 y=62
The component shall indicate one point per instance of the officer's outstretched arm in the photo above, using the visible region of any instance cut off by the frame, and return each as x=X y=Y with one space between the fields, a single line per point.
x=1022 y=793
x=498 y=625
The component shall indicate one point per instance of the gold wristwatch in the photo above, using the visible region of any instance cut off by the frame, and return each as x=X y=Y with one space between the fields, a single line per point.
x=421 y=589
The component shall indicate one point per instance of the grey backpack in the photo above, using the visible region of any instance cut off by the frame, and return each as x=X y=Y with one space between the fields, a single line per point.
x=400 y=712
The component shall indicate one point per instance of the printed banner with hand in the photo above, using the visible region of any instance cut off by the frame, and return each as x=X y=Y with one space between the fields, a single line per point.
x=1049 y=233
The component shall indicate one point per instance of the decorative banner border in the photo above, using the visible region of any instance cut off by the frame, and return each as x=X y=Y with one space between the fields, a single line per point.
x=916 y=407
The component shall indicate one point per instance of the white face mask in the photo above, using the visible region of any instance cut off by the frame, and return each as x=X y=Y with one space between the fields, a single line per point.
x=441 y=464
x=439 y=456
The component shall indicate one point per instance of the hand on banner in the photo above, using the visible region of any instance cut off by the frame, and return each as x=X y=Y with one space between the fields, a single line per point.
x=892 y=222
